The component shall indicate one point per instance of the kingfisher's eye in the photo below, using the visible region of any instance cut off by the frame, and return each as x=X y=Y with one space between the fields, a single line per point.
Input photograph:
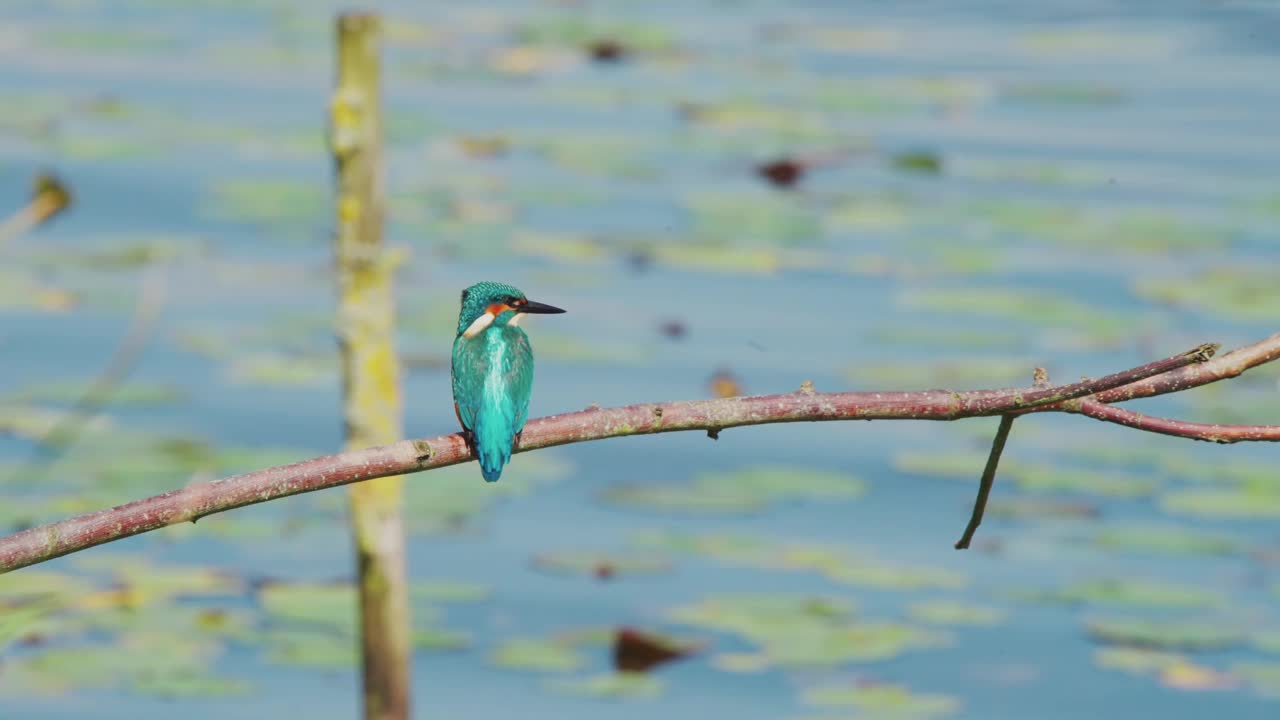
x=516 y=302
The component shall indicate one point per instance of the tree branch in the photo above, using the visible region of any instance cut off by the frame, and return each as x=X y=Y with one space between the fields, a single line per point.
x=198 y=500
x=1208 y=432
x=988 y=480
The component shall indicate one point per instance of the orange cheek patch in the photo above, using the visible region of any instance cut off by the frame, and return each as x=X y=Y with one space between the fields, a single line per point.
x=497 y=309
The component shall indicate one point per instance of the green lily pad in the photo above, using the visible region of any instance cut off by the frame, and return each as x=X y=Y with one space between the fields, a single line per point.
x=960 y=373
x=1263 y=677
x=453 y=496
x=1130 y=591
x=537 y=655
x=806 y=631
x=1268 y=641
x=269 y=202
x=842 y=565
x=616 y=686
x=310 y=648
x=145 y=583
x=1053 y=479
x=925 y=162
x=950 y=612
x=438 y=639
x=757 y=218
x=753 y=488
x=1139 y=661
x=331 y=606
x=286 y=370
x=576 y=32
x=1171 y=634
x=132 y=393
x=448 y=591
x=1243 y=503
x=150 y=663
x=882 y=701
x=1245 y=292
x=601 y=565
x=1032 y=507
x=1171 y=540
x=965 y=465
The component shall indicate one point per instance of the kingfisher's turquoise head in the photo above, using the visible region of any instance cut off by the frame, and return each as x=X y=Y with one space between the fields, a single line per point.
x=487 y=303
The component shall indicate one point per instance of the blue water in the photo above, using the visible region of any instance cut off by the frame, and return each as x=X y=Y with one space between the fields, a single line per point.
x=1119 y=109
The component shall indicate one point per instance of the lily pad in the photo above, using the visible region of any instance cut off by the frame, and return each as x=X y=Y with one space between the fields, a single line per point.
x=753 y=488
x=1130 y=591
x=602 y=566
x=1171 y=540
x=954 y=613
x=1171 y=634
x=1140 y=661
x=1242 y=503
x=882 y=701
x=537 y=655
x=806 y=631
x=616 y=686
x=1263 y=677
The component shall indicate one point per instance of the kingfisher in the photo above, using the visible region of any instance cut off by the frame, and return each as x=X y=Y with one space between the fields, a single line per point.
x=493 y=371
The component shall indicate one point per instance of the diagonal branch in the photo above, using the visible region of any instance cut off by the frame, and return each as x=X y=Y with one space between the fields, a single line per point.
x=988 y=480
x=1208 y=432
x=198 y=500
x=1221 y=367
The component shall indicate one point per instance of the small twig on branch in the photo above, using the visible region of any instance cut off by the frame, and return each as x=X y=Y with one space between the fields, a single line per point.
x=199 y=500
x=988 y=480
x=1208 y=432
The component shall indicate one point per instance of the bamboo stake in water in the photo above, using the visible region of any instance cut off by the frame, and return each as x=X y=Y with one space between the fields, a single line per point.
x=370 y=370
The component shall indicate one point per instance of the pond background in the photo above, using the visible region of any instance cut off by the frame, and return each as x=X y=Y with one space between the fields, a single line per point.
x=1083 y=186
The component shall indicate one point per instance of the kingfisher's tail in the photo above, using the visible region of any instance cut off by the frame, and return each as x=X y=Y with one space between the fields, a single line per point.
x=493 y=450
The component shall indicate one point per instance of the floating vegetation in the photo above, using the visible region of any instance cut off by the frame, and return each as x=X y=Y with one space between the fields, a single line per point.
x=600 y=565
x=923 y=162
x=616 y=686
x=746 y=490
x=1258 y=502
x=955 y=613
x=842 y=565
x=1246 y=293
x=1171 y=634
x=882 y=701
x=1170 y=540
x=752 y=219
x=453 y=498
x=794 y=630
x=538 y=655
x=1129 y=591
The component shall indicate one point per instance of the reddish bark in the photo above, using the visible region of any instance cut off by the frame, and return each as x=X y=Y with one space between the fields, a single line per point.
x=196 y=501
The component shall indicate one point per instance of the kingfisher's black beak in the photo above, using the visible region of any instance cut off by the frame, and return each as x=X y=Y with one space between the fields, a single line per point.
x=537 y=308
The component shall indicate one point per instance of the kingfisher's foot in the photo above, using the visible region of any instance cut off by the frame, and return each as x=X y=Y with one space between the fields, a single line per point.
x=469 y=438
x=515 y=442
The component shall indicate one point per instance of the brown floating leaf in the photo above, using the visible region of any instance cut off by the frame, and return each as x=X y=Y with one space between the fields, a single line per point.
x=783 y=172
x=724 y=384
x=607 y=51
x=638 y=651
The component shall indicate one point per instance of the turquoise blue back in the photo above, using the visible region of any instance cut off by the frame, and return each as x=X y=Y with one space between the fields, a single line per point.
x=492 y=382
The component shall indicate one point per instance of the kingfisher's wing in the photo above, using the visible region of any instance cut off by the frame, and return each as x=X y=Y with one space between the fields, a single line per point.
x=519 y=375
x=469 y=368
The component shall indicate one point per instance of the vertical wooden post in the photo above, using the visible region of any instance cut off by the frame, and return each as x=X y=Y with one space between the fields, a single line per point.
x=370 y=370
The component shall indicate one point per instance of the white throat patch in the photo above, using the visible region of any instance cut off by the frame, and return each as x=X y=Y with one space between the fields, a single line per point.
x=515 y=319
x=478 y=326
